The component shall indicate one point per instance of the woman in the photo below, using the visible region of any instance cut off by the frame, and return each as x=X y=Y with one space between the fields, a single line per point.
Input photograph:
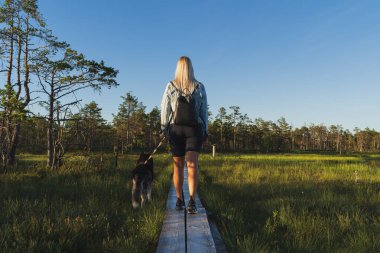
x=184 y=120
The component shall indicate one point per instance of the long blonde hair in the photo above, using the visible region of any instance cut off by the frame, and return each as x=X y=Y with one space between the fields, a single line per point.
x=184 y=79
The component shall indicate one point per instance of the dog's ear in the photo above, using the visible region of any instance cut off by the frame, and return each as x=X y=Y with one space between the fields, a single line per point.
x=142 y=157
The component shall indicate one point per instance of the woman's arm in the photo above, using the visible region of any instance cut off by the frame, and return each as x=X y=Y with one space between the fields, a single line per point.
x=165 y=110
x=204 y=109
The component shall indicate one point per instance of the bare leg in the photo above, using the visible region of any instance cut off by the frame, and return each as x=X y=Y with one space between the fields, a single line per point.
x=179 y=163
x=192 y=170
x=143 y=197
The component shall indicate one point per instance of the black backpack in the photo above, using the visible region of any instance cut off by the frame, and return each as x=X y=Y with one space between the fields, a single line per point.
x=185 y=113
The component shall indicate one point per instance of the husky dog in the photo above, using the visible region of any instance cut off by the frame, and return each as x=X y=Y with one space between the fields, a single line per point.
x=142 y=179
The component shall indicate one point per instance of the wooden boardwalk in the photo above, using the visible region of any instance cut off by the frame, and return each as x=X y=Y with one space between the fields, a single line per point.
x=182 y=232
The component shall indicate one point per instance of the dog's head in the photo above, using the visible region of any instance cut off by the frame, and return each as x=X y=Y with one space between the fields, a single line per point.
x=143 y=157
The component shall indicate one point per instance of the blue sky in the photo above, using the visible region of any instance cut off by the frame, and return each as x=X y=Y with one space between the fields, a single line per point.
x=308 y=61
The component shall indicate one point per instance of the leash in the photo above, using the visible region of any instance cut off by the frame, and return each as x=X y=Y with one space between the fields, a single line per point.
x=155 y=150
x=163 y=138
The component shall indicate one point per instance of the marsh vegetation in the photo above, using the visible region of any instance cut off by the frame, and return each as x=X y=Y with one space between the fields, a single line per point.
x=85 y=206
x=294 y=203
x=261 y=203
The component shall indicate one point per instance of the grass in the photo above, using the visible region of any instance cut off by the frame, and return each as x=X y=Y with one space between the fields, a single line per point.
x=261 y=203
x=294 y=203
x=85 y=206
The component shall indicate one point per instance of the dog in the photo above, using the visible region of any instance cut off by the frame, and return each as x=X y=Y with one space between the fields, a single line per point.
x=142 y=179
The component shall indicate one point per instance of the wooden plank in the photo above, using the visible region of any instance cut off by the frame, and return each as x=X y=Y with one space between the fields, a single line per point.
x=185 y=188
x=172 y=198
x=172 y=238
x=182 y=231
x=199 y=237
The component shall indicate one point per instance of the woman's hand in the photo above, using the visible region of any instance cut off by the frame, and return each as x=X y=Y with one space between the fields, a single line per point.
x=164 y=134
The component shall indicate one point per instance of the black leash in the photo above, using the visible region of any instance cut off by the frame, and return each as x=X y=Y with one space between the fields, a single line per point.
x=163 y=138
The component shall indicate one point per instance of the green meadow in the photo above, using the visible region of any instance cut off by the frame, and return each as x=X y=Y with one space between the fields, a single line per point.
x=85 y=206
x=294 y=203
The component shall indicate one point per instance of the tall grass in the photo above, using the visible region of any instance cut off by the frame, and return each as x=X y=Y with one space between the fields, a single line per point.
x=294 y=203
x=85 y=206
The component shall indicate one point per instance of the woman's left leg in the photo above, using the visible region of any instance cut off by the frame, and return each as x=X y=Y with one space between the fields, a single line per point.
x=179 y=163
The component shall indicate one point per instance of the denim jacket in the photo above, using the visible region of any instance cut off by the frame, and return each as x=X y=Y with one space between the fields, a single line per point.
x=168 y=105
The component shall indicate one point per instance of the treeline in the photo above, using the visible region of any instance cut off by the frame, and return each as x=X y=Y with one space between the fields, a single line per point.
x=234 y=131
x=135 y=129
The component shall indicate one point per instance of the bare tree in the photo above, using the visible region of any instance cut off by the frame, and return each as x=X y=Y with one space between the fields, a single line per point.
x=62 y=72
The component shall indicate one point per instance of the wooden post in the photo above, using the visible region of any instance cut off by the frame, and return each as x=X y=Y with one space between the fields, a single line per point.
x=213 y=150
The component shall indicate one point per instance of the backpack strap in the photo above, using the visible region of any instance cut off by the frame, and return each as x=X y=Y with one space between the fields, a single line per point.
x=178 y=90
x=173 y=85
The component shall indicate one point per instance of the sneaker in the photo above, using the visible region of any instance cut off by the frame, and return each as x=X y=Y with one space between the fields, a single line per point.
x=191 y=207
x=179 y=205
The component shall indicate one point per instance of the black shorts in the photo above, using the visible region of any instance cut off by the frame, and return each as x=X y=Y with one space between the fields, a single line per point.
x=185 y=138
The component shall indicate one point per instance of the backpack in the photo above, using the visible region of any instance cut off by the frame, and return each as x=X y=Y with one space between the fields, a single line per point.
x=185 y=113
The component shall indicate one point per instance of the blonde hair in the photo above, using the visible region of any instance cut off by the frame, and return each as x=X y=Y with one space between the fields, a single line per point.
x=184 y=79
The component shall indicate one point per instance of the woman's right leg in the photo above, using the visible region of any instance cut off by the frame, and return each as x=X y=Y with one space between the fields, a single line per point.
x=192 y=170
x=179 y=163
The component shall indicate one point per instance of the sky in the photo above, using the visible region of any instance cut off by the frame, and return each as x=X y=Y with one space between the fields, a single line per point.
x=308 y=61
